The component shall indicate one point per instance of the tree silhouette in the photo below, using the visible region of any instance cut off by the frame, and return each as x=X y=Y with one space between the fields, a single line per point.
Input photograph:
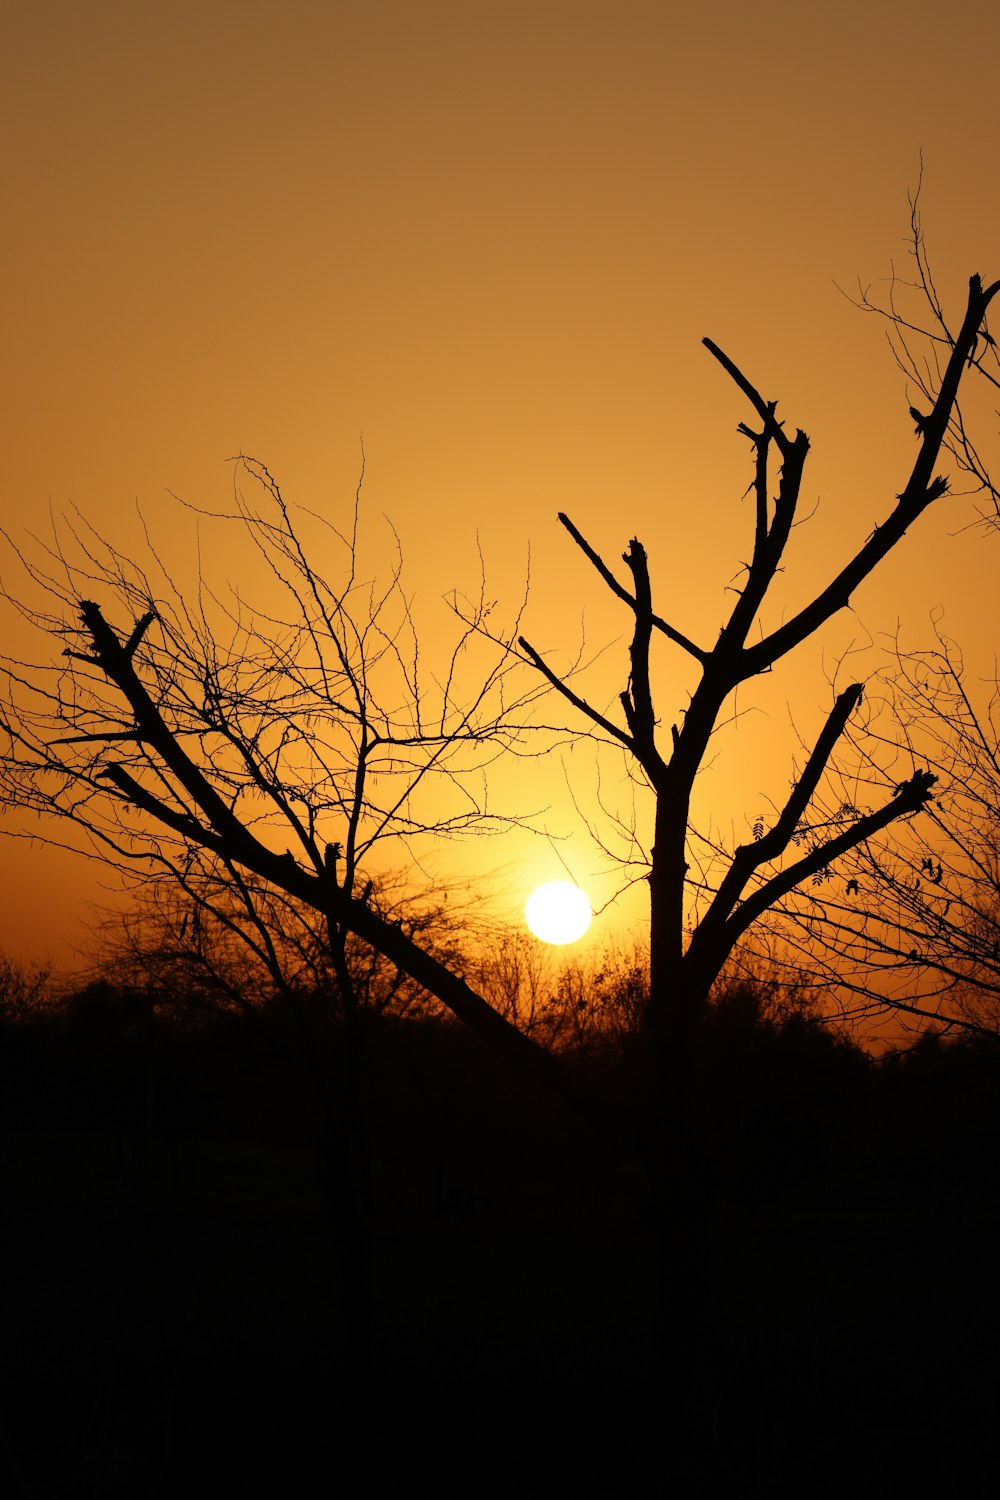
x=911 y=921
x=262 y=760
x=267 y=758
x=684 y=961
x=923 y=341
x=700 y=909
x=222 y=745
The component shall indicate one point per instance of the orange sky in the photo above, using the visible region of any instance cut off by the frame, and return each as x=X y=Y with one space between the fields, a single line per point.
x=489 y=237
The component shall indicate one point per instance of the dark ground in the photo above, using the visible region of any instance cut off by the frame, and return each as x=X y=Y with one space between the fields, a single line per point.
x=181 y=1316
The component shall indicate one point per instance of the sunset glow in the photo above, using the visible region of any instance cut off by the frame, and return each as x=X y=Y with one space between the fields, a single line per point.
x=453 y=450
x=507 y=303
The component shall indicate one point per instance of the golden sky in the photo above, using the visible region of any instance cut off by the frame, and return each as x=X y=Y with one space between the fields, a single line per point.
x=489 y=238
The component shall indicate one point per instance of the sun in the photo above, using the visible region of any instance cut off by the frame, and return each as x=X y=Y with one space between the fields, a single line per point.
x=558 y=912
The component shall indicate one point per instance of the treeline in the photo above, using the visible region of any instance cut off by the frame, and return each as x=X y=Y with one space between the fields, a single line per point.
x=784 y=1101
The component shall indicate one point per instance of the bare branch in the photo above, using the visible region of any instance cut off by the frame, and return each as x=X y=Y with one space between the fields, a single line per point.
x=567 y=692
x=622 y=593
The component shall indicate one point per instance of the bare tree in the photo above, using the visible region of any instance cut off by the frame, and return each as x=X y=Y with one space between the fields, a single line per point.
x=263 y=753
x=910 y=921
x=704 y=900
x=923 y=342
x=261 y=756
x=685 y=956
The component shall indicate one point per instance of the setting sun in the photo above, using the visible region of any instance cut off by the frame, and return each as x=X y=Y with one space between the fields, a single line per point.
x=558 y=912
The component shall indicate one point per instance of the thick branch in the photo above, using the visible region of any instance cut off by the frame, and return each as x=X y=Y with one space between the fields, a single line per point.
x=116 y=663
x=922 y=489
x=769 y=552
x=764 y=409
x=180 y=822
x=623 y=593
x=910 y=798
x=637 y=701
x=762 y=448
x=750 y=857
